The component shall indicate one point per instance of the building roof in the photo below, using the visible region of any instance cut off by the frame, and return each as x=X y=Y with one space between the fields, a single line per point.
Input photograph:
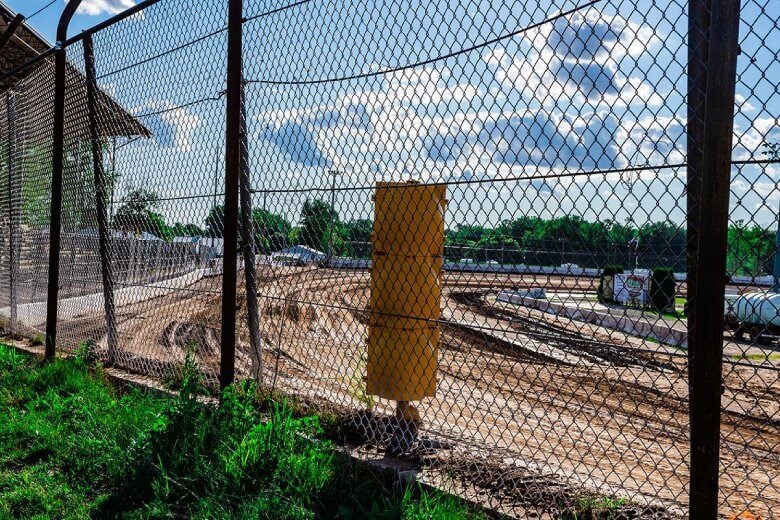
x=25 y=45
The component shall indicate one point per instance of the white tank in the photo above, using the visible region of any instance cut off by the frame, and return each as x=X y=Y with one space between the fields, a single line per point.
x=758 y=308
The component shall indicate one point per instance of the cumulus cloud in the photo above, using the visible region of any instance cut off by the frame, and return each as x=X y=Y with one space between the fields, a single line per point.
x=98 y=7
x=295 y=140
x=579 y=59
x=750 y=142
x=552 y=104
x=653 y=140
x=171 y=126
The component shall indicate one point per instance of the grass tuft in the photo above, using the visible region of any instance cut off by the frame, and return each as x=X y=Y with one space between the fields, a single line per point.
x=72 y=446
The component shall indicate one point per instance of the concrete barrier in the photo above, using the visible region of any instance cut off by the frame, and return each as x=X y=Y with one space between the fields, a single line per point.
x=659 y=331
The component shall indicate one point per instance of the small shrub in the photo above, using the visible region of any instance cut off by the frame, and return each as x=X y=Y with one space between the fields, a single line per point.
x=609 y=270
x=662 y=289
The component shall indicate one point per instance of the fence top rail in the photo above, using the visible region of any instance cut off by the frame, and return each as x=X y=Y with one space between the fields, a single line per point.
x=77 y=38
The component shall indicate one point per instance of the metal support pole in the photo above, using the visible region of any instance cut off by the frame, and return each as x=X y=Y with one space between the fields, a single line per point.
x=13 y=211
x=232 y=176
x=58 y=151
x=99 y=177
x=698 y=49
x=706 y=350
x=248 y=250
x=10 y=30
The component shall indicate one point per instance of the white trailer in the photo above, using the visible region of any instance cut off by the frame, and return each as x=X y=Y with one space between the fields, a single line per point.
x=757 y=314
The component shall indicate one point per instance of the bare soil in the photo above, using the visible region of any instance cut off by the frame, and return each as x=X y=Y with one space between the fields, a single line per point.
x=559 y=402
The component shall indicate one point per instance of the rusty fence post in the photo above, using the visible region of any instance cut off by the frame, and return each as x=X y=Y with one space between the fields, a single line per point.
x=248 y=249
x=706 y=348
x=232 y=176
x=698 y=48
x=99 y=177
x=14 y=211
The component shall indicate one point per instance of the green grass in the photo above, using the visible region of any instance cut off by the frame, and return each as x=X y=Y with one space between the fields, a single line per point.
x=72 y=446
x=756 y=357
x=590 y=507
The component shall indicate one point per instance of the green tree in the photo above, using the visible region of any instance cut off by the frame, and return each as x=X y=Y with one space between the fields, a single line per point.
x=317 y=216
x=215 y=222
x=271 y=231
x=356 y=237
x=136 y=214
x=187 y=230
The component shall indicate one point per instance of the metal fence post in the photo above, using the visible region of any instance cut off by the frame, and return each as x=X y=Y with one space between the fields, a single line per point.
x=706 y=351
x=10 y=30
x=232 y=176
x=248 y=249
x=99 y=177
x=57 y=157
x=776 y=269
x=698 y=48
x=13 y=211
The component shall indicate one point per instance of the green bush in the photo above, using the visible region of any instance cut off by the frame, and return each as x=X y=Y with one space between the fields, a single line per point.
x=662 y=289
x=609 y=270
x=71 y=446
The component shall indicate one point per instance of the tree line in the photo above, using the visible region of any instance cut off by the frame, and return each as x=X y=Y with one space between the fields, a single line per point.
x=523 y=240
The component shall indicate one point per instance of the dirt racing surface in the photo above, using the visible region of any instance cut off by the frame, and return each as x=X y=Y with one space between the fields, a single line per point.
x=552 y=399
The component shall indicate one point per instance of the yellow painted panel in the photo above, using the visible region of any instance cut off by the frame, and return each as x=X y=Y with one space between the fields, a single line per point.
x=403 y=286
x=403 y=337
x=409 y=218
x=402 y=361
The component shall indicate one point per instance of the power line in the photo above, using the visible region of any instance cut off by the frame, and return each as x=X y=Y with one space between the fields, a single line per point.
x=200 y=39
x=490 y=180
x=42 y=9
x=219 y=96
x=465 y=50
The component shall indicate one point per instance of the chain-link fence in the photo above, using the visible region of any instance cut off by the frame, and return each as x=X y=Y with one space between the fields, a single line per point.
x=473 y=231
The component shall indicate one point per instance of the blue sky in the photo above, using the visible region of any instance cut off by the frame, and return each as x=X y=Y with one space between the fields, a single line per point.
x=602 y=88
x=92 y=12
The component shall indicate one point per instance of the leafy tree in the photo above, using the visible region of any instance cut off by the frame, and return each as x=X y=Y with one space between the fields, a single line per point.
x=317 y=216
x=271 y=231
x=187 y=230
x=215 y=222
x=356 y=237
x=136 y=214
x=751 y=249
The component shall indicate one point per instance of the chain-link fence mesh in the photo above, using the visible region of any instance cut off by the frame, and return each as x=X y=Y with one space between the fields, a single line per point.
x=463 y=230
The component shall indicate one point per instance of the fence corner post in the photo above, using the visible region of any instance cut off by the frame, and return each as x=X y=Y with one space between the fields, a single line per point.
x=232 y=176
x=57 y=159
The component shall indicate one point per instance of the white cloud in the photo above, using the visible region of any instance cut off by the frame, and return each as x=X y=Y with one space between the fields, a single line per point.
x=579 y=60
x=749 y=143
x=98 y=7
x=524 y=115
x=171 y=126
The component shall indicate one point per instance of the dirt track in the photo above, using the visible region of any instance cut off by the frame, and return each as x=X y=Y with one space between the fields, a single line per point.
x=599 y=408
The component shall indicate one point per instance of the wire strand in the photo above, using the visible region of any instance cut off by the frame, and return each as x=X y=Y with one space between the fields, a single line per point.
x=42 y=9
x=442 y=57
